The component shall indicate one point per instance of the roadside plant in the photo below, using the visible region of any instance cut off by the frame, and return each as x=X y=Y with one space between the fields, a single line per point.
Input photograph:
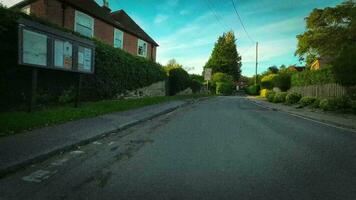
x=280 y=97
x=270 y=95
x=264 y=92
x=343 y=102
x=328 y=105
x=293 y=98
x=224 y=88
x=316 y=103
x=253 y=90
x=353 y=106
x=67 y=96
x=306 y=101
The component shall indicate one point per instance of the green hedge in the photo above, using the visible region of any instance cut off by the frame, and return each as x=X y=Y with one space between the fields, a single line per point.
x=224 y=88
x=178 y=80
x=253 y=90
x=313 y=77
x=116 y=71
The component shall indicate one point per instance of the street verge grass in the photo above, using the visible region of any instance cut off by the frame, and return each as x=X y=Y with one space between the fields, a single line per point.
x=18 y=121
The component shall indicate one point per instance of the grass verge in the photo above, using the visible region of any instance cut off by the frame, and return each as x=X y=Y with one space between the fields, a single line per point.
x=18 y=121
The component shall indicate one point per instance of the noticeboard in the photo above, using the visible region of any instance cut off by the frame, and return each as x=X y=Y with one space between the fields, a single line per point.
x=207 y=74
x=46 y=47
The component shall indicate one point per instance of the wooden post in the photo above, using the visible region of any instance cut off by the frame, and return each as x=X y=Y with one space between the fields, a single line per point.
x=33 y=90
x=78 y=89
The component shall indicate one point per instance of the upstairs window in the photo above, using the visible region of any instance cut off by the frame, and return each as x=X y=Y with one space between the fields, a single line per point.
x=142 y=48
x=118 y=38
x=84 y=24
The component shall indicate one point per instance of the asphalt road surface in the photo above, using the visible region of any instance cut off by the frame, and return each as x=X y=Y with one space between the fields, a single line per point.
x=222 y=148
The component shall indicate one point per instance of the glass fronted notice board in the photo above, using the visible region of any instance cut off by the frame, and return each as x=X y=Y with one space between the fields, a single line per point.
x=45 y=47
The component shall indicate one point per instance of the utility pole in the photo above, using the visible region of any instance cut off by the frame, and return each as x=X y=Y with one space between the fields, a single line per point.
x=256 y=62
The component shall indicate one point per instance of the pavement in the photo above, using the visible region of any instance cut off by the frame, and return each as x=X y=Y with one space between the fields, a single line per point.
x=23 y=149
x=221 y=148
x=342 y=120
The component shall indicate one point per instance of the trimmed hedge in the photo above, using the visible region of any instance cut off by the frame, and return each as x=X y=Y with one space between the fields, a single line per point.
x=313 y=77
x=270 y=95
x=293 y=98
x=178 y=80
x=280 y=97
x=224 y=88
x=268 y=81
x=306 y=101
x=116 y=71
x=253 y=90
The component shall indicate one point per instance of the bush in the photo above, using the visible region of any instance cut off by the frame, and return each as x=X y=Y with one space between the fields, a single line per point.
x=269 y=81
x=195 y=86
x=221 y=77
x=316 y=103
x=313 y=77
x=353 y=106
x=280 y=97
x=178 y=80
x=328 y=105
x=283 y=81
x=67 y=96
x=293 y=98
x=253 y=90
x=264 y=92
x=225 y=88
x=343 y=102
x=306 y=101
x=270 y=95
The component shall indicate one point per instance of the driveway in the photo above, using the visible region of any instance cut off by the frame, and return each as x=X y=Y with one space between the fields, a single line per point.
x=221 y=148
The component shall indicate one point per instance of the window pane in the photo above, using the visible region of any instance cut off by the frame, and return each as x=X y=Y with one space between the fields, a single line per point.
x=84 y=30
x=84 y=24
x=84 y=59
x=63 y=54
x=34 y=48
x=118 y=38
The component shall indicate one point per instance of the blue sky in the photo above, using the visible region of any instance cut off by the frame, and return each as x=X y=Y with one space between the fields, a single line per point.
x=187 y=29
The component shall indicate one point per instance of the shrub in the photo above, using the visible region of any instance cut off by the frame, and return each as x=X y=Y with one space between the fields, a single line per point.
x=328 y=105
x=67 y=96
x=293 y=98
x=283 y=81
x=195 y=86
x=343 y=102
x=253 y=90
x=178 y=80
x=221 y=77
x=280 y=97
x=316 y=103
x=268 y=81
x=313 y=77
x=264 y=92
x=306 y=101
x=353 y=106
x=225 y=88
x=270 y=95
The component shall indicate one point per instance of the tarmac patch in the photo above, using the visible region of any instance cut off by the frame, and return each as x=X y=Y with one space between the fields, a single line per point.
x=39 y=176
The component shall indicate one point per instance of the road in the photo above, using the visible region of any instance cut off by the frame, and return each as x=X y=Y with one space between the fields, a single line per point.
x=221 y=148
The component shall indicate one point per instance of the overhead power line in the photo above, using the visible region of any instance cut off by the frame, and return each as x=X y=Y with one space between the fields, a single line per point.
x=242 y=23
x=211 y=7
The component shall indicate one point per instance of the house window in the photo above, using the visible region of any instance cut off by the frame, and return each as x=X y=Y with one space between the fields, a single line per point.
x=118 y=38
x=84 y=24
x=142 y=48
x=26 y=9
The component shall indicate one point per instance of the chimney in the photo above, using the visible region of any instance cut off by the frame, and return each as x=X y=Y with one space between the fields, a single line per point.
x=106 y=6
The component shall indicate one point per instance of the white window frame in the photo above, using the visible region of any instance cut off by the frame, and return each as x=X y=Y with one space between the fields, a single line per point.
x=77 y=14
x=116 y=32
x=139 y=42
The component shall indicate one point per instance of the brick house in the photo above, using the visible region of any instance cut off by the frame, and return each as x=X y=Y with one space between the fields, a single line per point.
x=92 y=20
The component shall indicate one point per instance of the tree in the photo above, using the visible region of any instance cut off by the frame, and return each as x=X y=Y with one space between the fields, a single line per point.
x=172 y=63
x=273 y=70
x=224 y=57
x=329 y=31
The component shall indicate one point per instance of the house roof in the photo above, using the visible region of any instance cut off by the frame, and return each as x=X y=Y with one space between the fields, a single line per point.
x=118 y=19
x=125 y=20
x=297 y=68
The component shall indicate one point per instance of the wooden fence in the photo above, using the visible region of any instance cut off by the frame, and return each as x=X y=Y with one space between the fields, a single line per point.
x=332 y=90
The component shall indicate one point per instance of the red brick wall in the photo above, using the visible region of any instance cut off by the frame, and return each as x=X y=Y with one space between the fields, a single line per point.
x=104 y=32
x=38 y=8
x=130 y=43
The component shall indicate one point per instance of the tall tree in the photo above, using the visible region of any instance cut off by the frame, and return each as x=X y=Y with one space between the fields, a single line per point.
x=225 y=57
x=329 y=31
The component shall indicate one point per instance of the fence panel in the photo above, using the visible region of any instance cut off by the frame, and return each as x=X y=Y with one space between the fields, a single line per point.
x=331 y=90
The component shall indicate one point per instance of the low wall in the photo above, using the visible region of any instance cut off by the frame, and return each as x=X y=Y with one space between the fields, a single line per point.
x=332 y=90
x=154 y=90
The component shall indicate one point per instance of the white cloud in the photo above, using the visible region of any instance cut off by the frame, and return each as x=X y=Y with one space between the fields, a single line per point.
x=9 y=3
x=160 y=19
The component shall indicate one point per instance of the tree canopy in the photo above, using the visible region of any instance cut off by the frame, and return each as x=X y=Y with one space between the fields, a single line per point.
x=328 y=32
x=224 y=57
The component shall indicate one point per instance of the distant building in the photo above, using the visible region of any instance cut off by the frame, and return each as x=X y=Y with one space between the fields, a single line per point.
x=296 y=68
x=320 y=63
x=92 y=20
